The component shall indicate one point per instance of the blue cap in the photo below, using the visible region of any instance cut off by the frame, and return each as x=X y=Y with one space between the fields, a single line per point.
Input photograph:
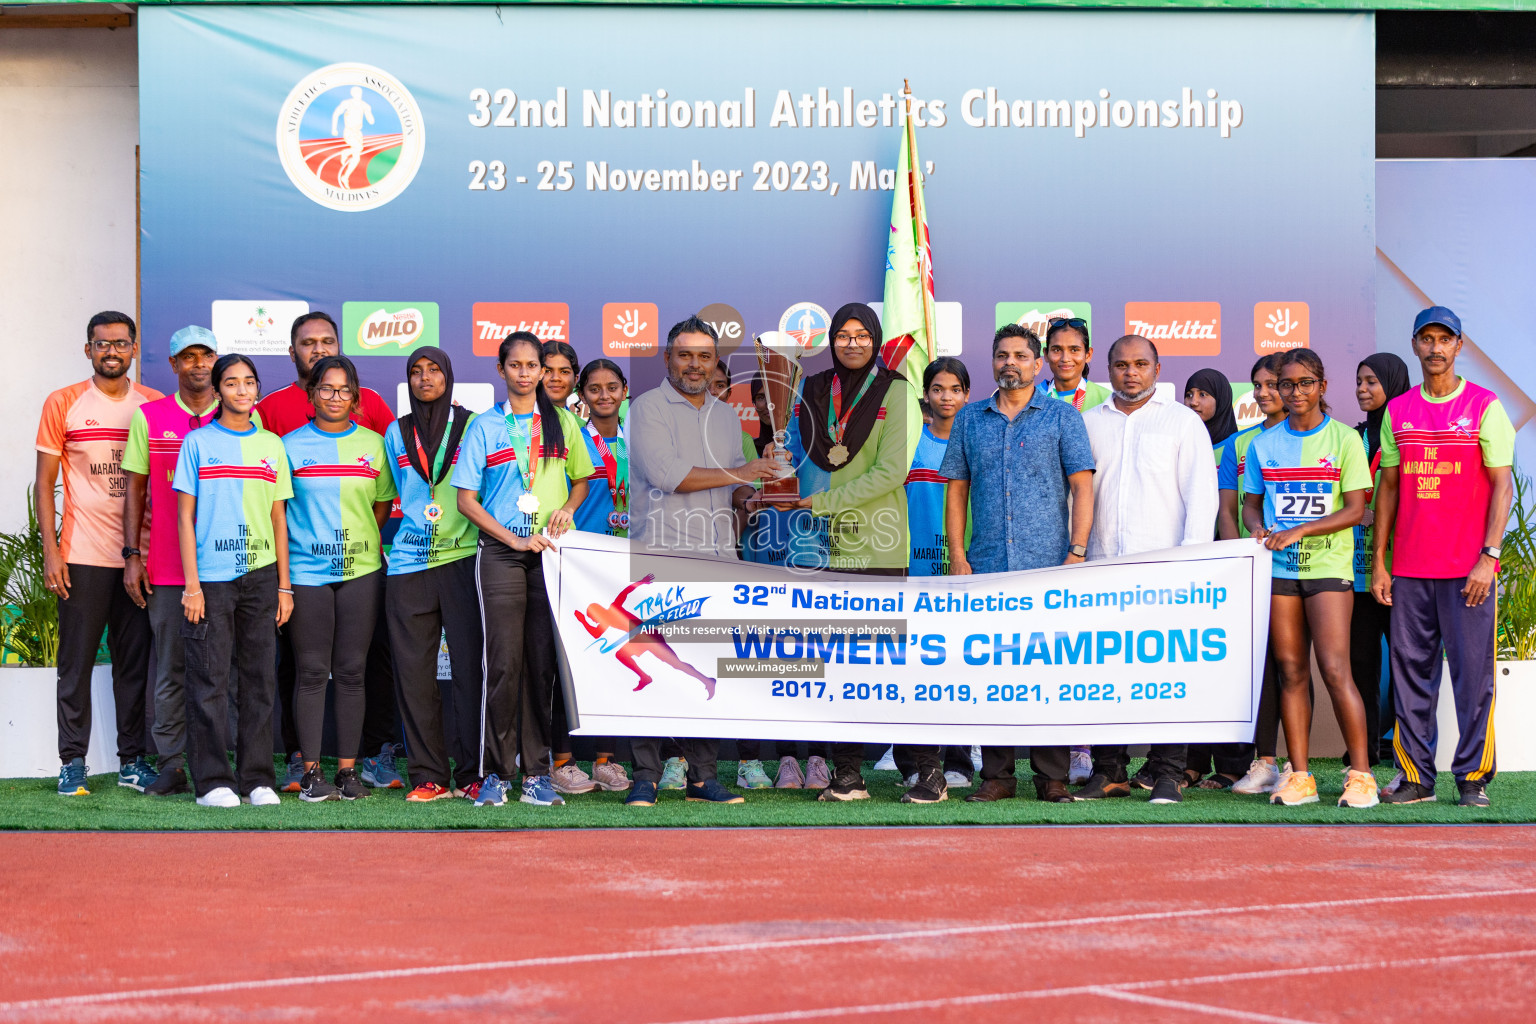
x=1437 y=315
x=193 y=335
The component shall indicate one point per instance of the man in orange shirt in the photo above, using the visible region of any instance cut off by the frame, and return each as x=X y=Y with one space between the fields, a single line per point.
x=84 y=429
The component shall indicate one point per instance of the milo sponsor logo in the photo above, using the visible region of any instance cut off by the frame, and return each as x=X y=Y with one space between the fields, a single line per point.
x=387 y=328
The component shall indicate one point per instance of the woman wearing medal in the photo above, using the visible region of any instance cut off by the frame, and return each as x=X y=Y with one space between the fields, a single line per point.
x=858 y=427
x=601 y=389
x=513 y=483
x=430 y=587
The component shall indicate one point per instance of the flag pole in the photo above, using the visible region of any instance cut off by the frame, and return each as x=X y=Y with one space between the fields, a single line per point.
x=920 y=224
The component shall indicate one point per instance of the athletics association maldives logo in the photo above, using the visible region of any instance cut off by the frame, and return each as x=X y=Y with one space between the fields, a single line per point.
x=350 y=136
x=807 y=323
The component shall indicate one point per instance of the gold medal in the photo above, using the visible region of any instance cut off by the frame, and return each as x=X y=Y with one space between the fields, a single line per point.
x=433 y=511
x=838 y=454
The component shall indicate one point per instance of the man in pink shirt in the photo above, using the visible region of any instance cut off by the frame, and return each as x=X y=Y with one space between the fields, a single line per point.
x=153 y=576
x=83 y=430
x=1441 y=508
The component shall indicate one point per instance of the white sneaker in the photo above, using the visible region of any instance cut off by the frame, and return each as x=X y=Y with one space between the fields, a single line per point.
x=1081 y=769
x=957 y=780
x=221 y=797
x=264 y=796
x=976 y=756
x=1262 y=777
x=1391 y=787
x=887 y=762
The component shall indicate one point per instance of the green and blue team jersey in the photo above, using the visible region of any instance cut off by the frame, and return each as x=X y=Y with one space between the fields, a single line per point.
x=597 y=513
x=432 y=530
x=236 y=479
x=488 y=465
x=1304 y=476
x=1229 y=472
x=332 y=533
x=925 y=507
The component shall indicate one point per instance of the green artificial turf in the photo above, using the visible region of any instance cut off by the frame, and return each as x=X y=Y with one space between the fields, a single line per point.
x=34 y=804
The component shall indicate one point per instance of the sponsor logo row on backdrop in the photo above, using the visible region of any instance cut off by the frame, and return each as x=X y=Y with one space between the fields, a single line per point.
x=633 y=328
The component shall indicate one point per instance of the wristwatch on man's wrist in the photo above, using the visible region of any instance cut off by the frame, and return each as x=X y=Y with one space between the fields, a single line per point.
x=1078 y=550
x=130 y=552
x=1492 y=552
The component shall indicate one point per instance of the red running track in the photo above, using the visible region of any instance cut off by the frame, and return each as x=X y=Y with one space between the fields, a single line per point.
x=1088 y=925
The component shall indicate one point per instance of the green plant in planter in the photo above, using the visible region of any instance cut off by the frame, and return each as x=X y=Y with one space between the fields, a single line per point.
x=1517 y=578
x=29 y=622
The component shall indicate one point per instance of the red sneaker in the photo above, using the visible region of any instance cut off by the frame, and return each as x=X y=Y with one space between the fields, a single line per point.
x=428 y=791
x=471 y=792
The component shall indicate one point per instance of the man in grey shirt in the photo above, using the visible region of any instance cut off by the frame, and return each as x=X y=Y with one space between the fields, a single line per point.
x=687 y=476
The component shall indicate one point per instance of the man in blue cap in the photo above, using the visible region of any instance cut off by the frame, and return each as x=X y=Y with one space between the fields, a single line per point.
x=1441 y=507
x=153 y=576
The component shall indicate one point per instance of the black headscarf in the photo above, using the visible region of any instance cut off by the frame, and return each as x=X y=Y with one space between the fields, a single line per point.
x=1223 y=422
x=429 y=419
x=1393 y=374
x=816 y=392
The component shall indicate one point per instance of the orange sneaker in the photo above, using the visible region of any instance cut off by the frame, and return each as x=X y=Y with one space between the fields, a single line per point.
x=1360 y=790
x=1298 y=788
x=428 y=791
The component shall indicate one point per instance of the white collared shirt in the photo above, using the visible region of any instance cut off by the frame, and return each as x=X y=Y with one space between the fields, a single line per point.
x=667 y=437
x=1154 y=486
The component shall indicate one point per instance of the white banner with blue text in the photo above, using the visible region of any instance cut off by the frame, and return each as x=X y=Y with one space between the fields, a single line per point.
x=1162 y=647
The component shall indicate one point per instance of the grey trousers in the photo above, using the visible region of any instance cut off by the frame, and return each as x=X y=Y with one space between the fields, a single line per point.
x=170 y=695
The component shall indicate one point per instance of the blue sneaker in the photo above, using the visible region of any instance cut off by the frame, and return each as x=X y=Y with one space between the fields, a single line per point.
x=72 y=779
x=379 y=772
x=641 y=794
x=540 y=791
x=137 y=775
x=711 y=791
x=493 y=792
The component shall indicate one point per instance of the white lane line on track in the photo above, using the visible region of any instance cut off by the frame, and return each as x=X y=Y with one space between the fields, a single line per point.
x=1205 y=1008
x=256 y=984
x=1116 y=990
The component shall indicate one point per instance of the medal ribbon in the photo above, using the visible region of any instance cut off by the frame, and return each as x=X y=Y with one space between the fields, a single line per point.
x=435 y=463
x=837 y=417
x=613 y=466
x=527 y=464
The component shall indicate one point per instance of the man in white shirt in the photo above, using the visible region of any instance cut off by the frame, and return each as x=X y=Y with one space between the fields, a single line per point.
x=687 y=474
x=1154 y=488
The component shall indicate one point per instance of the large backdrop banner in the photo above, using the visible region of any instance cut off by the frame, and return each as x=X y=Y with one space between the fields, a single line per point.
x=443 y=174
x=1157 y=647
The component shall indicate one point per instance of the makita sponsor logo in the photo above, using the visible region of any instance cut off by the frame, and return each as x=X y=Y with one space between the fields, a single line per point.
x=490 y=330
x=493 y=321
x=1177 y=329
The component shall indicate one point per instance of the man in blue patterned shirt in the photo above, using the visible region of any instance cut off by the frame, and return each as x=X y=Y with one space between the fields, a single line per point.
x=1014 y=459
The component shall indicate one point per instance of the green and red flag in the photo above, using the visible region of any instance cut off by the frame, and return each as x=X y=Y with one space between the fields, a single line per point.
x=908 y=305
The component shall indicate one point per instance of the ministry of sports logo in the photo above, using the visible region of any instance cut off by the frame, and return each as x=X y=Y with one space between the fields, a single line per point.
x=350 y=136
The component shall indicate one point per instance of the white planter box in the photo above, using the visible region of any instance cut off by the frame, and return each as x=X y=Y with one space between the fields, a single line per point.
x=1514 y=718
x=29 y=722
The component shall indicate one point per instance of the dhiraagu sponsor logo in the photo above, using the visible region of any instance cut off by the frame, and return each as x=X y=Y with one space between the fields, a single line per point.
x=1037 y=315
x=387 y=328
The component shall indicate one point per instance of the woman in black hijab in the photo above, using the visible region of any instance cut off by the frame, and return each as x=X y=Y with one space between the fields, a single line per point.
x=1209 y=393
x=859 y=425
x=1378 y=379
x=430 y=586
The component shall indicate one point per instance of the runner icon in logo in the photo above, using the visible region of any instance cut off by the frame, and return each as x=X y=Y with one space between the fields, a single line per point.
x=321 y=140
x=807 y=323
x=637 y=640
x=354 y=110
